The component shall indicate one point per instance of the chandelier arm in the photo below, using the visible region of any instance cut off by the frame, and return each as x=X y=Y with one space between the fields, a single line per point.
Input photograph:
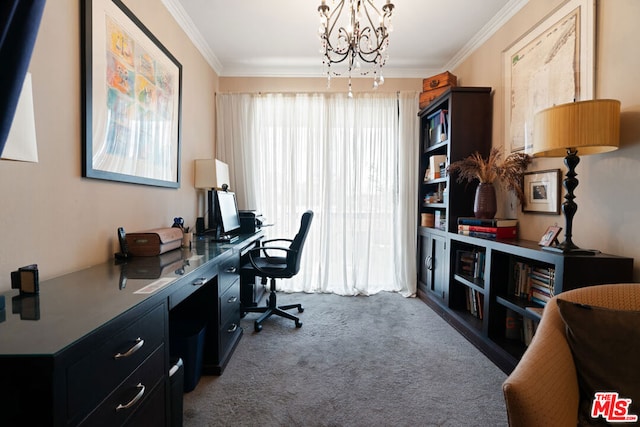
x=336 y=12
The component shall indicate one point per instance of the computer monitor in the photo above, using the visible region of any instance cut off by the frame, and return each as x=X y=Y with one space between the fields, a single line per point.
x=228 y=217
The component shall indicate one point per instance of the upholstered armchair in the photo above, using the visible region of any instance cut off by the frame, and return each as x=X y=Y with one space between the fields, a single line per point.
x=543 y=389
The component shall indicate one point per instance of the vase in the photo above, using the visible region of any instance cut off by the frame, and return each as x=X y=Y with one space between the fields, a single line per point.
x=485 y=205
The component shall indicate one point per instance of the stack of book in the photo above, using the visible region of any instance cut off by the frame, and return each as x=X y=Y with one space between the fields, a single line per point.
x=533 y=283
x=542 y=282
x=475 y=303
x=495 y=228
x=471 y=264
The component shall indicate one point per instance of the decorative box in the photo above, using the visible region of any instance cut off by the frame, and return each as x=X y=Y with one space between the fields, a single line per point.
x=154 y=242
x=445 y=79
x=435 y=86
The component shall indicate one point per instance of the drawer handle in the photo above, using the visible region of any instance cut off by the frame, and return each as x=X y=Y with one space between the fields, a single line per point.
x=138 y=346
x=199 y=282
x=233 y=328
x=232 y=299
x=133 y=401
x=231 y=270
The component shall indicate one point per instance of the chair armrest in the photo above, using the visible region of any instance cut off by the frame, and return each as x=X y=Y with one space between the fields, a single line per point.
x=276 y=240
x=543 y=388
x=259 y=249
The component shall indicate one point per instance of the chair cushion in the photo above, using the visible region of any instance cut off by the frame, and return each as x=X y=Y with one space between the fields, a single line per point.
x=605 y=344
x=274 y=267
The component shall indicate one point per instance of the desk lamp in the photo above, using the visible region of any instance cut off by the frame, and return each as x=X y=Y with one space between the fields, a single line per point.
x=588 y=127
x=211 y=174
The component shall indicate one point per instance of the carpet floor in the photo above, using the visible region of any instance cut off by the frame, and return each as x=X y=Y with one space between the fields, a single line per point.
x=382 y=360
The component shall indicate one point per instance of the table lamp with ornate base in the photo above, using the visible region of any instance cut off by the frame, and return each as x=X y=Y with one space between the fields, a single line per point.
x=590 y=127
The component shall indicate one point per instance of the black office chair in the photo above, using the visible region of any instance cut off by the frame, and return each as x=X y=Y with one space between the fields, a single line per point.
x=264 y=264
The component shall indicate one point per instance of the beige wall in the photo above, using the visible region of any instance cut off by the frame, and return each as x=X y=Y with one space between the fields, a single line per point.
x=64 y=222
x=608 y=194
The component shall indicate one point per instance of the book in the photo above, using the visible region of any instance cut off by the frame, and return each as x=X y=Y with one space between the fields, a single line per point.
x=530 y=325
x=487 y=222
x=510 y=232
x=483 y=235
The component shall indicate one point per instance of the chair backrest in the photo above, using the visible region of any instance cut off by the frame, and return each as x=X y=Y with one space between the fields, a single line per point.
x=295 y=253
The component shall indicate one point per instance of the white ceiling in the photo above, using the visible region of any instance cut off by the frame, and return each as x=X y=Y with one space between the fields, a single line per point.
x=279 y=37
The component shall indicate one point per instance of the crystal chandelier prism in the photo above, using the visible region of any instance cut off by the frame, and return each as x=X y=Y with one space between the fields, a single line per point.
x=355 y=33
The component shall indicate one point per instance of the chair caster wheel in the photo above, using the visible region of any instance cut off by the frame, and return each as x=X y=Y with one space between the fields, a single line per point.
x=300 y=309
x=257 y=327
x=298 y=324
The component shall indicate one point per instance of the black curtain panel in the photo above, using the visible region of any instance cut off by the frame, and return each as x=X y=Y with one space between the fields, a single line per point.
x=19 y=23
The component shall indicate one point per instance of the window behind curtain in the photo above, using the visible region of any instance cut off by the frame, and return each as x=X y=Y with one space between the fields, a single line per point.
x=340 y=158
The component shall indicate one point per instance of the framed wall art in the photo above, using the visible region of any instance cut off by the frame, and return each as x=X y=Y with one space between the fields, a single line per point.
x=551 y=64
x=132 y=99
x=542 y=192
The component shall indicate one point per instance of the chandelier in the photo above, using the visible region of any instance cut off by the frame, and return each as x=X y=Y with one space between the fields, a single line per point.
x=353 y=33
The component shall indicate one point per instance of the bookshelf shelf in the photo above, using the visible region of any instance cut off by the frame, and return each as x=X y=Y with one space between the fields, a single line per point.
x=435 y=181
x=519 y=305
x=475 y=284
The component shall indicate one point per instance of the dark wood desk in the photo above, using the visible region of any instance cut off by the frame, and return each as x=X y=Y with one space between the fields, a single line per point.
x=94 y=339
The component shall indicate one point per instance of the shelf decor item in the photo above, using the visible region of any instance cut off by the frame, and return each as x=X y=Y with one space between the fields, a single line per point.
x=550 y=236
x=588 y=127
x=541 y=192
x=509 y=172
x=485 y=204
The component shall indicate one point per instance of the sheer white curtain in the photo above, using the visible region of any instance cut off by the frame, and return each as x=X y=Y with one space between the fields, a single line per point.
x=352 y=161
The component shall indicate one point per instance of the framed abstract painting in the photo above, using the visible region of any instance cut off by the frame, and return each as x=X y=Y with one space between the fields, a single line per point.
x=132 y=99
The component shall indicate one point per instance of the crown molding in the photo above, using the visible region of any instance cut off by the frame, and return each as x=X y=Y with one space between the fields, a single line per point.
x=184 y=21
x=501 y=18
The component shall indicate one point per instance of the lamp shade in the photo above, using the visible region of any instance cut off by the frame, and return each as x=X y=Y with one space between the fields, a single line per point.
x=211 y=173
x=589 y=127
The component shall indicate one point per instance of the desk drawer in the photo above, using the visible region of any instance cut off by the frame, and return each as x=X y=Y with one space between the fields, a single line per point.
x=229 y=272
x=229 y=318
x=230 y=303
x=96 y=375
x=132 y=394
x=189 y=284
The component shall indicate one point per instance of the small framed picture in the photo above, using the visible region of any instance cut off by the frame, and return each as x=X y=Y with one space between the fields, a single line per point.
x=542 y=192
x=550 y=236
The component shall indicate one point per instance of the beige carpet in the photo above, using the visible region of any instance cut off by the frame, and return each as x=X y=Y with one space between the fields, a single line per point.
x=382 y=360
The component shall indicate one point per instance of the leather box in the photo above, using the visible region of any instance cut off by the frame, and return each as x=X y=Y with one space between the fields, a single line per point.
x=154 y=242
x=439 y=80
x=435 y=86
x=430 y=95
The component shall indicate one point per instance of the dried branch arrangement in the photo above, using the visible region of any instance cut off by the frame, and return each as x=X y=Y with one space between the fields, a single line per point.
x=509 y=171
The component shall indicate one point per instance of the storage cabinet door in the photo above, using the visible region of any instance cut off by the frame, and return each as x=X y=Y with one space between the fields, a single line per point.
x=433 y=264
x=439 y=264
